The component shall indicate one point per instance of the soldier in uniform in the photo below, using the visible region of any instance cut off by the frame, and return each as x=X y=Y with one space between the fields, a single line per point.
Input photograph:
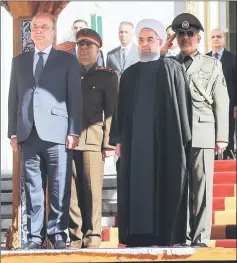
x=210 y=124
x=99 y=88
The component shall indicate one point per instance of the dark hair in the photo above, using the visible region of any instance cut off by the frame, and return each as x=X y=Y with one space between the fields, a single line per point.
x=80 y=21
x=169 y=26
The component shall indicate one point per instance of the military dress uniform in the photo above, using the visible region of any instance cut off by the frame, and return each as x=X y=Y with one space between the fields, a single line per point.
x=99 y=89
x=210 y=125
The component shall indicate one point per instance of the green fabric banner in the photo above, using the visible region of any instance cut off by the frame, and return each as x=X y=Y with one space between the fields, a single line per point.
x=93 y=22
x=99 y=26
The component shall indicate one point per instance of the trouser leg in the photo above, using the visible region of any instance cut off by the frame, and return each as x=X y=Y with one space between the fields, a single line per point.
x=202 y=193
x=59 y=165
x=92 y=179
x=75 y=215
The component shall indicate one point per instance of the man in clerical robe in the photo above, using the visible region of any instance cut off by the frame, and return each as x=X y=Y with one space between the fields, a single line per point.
x=152 y=133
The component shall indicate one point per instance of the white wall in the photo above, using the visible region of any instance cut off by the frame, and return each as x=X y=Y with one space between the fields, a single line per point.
x=113 y=13
x=6 y=57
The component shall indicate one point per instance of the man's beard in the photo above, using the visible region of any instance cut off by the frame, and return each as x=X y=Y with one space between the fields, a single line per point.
x=148 y=55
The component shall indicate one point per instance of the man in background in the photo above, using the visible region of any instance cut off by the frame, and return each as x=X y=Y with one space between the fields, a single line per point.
x=174 y=49
x=77 y=26
x=126 y=54
x=228 y=61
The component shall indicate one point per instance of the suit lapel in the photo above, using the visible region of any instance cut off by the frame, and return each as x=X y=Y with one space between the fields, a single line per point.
x=117 y=55
x=223 y=57
x=195 y=66
x=28 y=65
x=49 y=64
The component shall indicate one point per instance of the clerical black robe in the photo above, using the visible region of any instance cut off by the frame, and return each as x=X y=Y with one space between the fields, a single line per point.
x=152 y=121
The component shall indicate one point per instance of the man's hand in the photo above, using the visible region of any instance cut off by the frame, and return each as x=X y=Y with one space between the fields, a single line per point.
x=15 y=146
x=107 y=153
x=168 y=44
x=72 y=141
x=117 y=150
x=220 y=147
x=235 y=112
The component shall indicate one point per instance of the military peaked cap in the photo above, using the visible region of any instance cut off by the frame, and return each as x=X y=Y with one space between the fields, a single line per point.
x=186 y=21
x=90 y=36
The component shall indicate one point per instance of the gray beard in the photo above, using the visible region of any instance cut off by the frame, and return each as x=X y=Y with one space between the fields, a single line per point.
x=149 y=56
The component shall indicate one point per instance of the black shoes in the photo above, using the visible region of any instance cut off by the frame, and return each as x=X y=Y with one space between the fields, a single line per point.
x=59 y=244
x=30 y=245
x=183 y=245
x=199 y=245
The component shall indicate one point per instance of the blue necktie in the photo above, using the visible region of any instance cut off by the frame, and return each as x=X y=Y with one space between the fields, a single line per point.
x=39 y=68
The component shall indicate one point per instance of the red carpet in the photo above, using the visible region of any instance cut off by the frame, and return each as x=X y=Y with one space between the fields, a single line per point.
x=224 y=205
x=223 y=190
x=225 y=178
x=224 y=208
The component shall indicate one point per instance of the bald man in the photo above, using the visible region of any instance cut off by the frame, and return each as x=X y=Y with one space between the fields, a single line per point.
x=44 y=124
x=228 y=61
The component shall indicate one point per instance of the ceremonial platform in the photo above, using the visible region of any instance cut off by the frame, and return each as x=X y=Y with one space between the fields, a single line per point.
x=120 y=255
x=222 y=247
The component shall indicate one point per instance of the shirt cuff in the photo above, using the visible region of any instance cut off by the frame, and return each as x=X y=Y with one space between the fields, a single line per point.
x=13 y=136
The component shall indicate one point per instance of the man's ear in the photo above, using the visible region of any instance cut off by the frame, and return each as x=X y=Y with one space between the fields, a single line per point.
x=199 y=39
x=161 y=42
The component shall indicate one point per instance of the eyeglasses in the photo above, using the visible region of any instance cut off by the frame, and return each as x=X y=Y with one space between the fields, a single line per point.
x=41 y=28
x=187 y=33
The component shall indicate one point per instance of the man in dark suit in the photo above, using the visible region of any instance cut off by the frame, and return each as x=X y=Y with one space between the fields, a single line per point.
x=44 y=123
x=126 y=54
x=77 y=26
x=228 y=61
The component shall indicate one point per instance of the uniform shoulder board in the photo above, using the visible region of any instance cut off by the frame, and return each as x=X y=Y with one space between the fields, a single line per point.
x=208 y=57
x=105 y=69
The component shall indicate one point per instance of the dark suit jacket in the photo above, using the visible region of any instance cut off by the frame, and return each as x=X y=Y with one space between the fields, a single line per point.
x=114 y=61
x=228 y=61
x=54 y=105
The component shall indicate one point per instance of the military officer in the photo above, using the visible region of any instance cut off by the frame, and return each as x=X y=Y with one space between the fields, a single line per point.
x=210 y=123
x=99 y=88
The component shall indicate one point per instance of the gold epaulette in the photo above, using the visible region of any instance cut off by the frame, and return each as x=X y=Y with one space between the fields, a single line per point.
x=105 y=69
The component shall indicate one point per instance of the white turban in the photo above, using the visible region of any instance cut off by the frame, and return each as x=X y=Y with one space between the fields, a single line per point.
x=153 y=25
